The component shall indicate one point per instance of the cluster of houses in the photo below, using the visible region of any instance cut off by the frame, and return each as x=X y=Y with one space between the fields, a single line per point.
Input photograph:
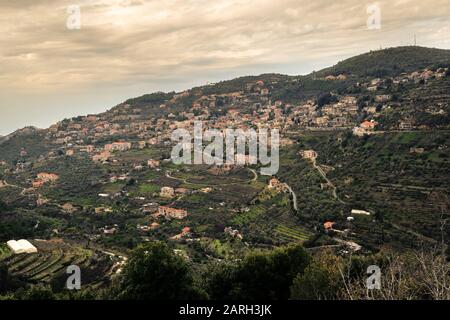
x=340 y=114
x=170 y=213
x=252 y=107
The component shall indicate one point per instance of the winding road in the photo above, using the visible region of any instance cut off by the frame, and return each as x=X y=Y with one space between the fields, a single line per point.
x=322 y=173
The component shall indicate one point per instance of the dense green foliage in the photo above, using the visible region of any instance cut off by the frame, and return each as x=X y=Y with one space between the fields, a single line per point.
x=390 y=62
x=155 y=272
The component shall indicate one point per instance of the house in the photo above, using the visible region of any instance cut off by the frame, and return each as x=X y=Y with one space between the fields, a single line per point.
x=88 y=149
x=321 y=121
x=274 y=183
x=369 y=125
x=233 y=113
x=361 y=212
x=405 y=125
x=118 y=146
x=143 y=228
x=101 y=157
x=383 y=98
x=107 y=230
x=371 y=109
x=68 y=208
x=167 y=192
x=308 y=154
x=359 y=132
x=376 y=82
x=102 y=210
x=21 y=246
x=47 y=177
x=328 y=225
x=169 y=212
x=41 y=201
x=38 y=183
x=416 y=150
x=264 y=92
x=142 y=144
x=154 y=225
x=153 y=163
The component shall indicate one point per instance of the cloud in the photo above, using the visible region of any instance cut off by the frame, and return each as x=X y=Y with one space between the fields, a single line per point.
x=125 y=43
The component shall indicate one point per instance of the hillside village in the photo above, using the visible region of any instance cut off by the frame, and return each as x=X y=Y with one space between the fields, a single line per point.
x=128 y=126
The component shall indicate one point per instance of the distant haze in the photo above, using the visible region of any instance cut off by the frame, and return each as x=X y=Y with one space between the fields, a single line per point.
x=126 y=48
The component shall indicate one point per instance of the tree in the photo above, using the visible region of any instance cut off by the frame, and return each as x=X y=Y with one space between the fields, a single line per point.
x=35 y=293
x=320 y=281
x=261 y=275
x=325 y=98
x=3 y=206
x=155 y=272
x=7 y=281
x=219 y=280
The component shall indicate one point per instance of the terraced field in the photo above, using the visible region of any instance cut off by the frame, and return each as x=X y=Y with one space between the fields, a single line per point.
x=252 y=214
x=292 y=234
x=287 y=228
x=269 y=222
x=44 y=266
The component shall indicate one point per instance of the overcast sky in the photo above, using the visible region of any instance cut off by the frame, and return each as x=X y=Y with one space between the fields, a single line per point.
x=125 y=48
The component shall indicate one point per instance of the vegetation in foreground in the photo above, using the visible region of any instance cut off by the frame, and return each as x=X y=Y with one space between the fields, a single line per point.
x=156 y=272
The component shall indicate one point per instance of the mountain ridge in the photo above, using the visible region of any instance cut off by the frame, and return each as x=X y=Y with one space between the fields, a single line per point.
x=408 y=58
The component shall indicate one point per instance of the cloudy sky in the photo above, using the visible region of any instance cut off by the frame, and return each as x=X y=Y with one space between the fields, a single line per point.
x=50 y=70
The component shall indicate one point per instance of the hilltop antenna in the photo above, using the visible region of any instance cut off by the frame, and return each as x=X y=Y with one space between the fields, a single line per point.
x=415 y=40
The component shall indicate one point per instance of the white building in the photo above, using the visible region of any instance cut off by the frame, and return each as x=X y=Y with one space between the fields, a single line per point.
x=21 y=246
x=366 y=213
